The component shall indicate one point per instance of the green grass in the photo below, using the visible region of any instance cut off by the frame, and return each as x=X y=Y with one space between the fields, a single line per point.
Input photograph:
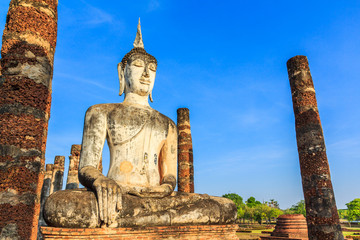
x=255 y=234
x=347 y=233
x=259 y=231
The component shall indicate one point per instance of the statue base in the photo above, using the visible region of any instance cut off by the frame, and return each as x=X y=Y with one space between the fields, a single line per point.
x=190 y=232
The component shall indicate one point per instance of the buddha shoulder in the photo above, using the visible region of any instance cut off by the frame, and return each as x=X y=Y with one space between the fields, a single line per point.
x=165 y=120
x=99 y=110
x=121 y=114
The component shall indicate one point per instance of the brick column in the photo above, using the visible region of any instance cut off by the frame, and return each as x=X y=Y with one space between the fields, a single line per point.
x=72 y=178
x=57 y=174
x=321 y=212
x=185 y=152
x=28 y=47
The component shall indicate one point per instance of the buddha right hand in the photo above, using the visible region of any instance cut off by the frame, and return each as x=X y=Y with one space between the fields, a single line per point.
x=109 y=198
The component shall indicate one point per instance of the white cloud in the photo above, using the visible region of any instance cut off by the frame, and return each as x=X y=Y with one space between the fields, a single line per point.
x=97 y=16
x=87 y=15
x=87 y=81
x=153 y=5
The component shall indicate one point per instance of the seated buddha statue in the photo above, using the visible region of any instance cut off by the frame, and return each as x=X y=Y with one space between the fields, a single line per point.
x=139 y=187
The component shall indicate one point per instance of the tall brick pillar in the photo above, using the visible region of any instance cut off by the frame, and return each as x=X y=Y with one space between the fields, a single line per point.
x=57 y=174
x=185 y=152
x=72 y=181
x=28 y=47
x=321 y=212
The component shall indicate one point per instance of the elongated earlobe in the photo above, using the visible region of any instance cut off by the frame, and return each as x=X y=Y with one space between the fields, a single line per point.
x=121 y=78
x=151 y=99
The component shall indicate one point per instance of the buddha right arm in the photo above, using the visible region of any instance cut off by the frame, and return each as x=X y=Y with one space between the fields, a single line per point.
x=107 y=190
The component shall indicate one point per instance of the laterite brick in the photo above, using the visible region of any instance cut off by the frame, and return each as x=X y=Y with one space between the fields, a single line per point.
x=321 y=212
x=185 y=152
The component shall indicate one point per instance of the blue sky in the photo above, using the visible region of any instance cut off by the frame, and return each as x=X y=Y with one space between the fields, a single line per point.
x=226 y=62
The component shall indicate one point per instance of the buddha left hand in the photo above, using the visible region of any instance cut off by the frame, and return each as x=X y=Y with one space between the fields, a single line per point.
x=109 y=198
x=108 y=192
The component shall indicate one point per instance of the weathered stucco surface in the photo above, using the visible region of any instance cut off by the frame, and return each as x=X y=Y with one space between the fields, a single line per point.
x=78 y=208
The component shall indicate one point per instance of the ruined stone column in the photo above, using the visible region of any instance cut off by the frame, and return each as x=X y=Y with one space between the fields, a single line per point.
x=321 y=212
x=28 y=47
x=57 y=174
x=45 y=191
x=185 y=152
x=72 y=178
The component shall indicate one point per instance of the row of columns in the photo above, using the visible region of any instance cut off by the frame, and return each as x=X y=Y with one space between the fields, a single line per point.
x=53 y=181
x=54 y=173
x=53 y=178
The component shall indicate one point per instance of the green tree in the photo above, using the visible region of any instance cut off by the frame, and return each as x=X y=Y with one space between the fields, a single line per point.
x=261 y=212
x=353 y=212
x=238 y=200
x=288 y=211
x=299 y=208
x=251 y=202
x=343 y=214
x=249 y=213
x=273 y=203
x=274 y=213
x=241 y=213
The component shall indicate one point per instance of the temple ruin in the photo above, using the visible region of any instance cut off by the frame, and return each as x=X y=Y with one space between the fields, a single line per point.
x=27 y=52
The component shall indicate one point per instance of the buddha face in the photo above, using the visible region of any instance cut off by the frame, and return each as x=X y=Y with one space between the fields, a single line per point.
x=140 y=74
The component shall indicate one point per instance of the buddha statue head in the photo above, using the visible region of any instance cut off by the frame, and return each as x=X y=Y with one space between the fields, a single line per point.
x=137 y=70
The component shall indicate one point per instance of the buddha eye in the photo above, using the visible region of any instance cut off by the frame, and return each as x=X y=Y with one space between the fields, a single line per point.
x=152 y=67
x=138 y=63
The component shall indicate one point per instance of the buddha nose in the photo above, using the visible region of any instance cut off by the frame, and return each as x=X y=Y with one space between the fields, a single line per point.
x=146 y=72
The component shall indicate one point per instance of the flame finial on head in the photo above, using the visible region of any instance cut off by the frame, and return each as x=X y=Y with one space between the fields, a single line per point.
x=137 y=50
x=138 y=43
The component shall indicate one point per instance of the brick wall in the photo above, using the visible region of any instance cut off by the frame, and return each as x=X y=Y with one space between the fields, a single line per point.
x=204 y=232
